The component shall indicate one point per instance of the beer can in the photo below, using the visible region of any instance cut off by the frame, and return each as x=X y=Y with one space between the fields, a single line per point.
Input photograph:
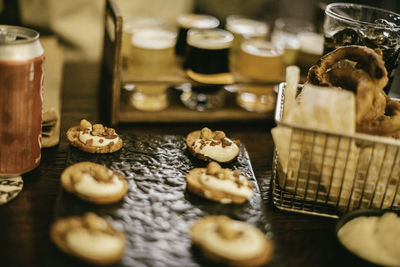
x=21 y=98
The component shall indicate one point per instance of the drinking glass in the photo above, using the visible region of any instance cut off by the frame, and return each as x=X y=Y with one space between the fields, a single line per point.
x=244 y=28
x=152 y=56
x=207 y=65
x=354 y=24
x=129 y=26
x=285 y=36
x=262 y=64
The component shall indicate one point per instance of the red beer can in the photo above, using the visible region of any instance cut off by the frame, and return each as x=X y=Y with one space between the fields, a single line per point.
x=21 y=83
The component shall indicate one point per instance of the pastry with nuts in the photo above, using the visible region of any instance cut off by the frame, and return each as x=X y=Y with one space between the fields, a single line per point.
x=95 y=138
x=219 y=184
x=95 y=183
x=231 y=242
x=90 y=238
x=209 y=145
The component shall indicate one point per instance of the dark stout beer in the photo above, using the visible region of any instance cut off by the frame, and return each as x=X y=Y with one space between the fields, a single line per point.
x=208 y=51
x=192 y=21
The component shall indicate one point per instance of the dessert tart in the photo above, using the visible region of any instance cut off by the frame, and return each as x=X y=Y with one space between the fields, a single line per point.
x=209 y=145
x=90 y=238
x=95 y=183
x=94 y=138
x=231 y=242
x=219 y=184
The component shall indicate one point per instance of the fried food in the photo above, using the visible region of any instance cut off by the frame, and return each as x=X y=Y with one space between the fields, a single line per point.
x=356 y=68
x=387 y=124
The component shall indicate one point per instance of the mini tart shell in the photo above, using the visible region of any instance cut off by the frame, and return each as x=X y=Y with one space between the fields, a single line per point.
x=195 y=187
x=57 y=230
x=191 y=138
x=197 y=231
x=73 y=139
x=69 y=187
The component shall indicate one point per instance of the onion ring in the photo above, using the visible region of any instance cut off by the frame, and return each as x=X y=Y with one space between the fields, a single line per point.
x=356 y=68
x=387 y=124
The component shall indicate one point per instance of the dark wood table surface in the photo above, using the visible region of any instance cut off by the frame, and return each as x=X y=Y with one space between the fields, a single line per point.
x=300 y=240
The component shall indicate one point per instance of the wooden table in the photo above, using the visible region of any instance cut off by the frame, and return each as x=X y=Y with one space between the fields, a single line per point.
x=300 y=240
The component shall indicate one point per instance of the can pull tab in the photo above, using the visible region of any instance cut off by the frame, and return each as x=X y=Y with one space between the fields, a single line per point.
x=6 y=37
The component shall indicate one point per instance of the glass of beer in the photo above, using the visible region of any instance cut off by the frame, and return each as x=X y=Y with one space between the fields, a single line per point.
x=311 y=47
x=245 y=28
x=152 y=58
x=262 y=64
x=207 y=64
x=285 y=36
x=353 y=24
x=129 y=26
x=192 y=21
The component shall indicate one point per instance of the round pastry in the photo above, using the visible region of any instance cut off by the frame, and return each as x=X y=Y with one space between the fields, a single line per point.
x=95 y=183
x=211 y=145
x=219 y=184
x=94 y=138
x=231 y=242
x=90 y=238
x=356 y=68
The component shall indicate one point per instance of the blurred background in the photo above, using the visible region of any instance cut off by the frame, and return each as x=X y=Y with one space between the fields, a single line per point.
x=79 y=24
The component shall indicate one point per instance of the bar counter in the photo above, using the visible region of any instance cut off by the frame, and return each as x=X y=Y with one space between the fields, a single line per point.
x=299 y=240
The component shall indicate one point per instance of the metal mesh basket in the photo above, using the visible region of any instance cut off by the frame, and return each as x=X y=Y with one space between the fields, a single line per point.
x=328 y=173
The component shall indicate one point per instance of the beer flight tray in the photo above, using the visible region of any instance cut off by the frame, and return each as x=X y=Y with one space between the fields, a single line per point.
x=158 y=211
x=113 y=101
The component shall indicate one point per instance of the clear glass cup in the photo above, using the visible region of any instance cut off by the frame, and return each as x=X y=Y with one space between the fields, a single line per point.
x=129 y=26
x=192 y=21
x=207 y=64
x=152 y=57
x=244 y=28
x=262 y=64
x=311 y=48
x=353 y=24
x=285 y=36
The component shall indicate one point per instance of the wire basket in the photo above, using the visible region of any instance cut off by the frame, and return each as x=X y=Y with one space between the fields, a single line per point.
x=327 y=173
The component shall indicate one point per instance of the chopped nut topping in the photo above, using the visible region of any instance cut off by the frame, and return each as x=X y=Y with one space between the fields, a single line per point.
x=236 y=173
x=84 y=124
x=110 y=131
x=94 y=222
x=98 y=130
x=206 y=134
x=226 y=231
x=113 y=136
x=76 y=178
x=103 y=176
x=214 y=143
x=226 y=142
x=218 y=135
x=213 y=168
x=89 y=142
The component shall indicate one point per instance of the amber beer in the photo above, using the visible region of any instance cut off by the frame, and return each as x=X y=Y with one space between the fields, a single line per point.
x=21 y=82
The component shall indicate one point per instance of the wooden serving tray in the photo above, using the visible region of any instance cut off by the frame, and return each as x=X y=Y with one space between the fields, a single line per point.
x=113 y=78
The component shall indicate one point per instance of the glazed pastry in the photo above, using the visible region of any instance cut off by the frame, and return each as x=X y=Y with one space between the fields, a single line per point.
x=90 y=238
x=231 y=242
x=95 y=183
x=211 y=145
x=219 y=184
x=94 y=138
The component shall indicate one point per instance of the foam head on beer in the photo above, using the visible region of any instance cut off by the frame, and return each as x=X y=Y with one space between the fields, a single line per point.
x=152 y=52
x=246 y=27
x=261 y=60
x=154 y=39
